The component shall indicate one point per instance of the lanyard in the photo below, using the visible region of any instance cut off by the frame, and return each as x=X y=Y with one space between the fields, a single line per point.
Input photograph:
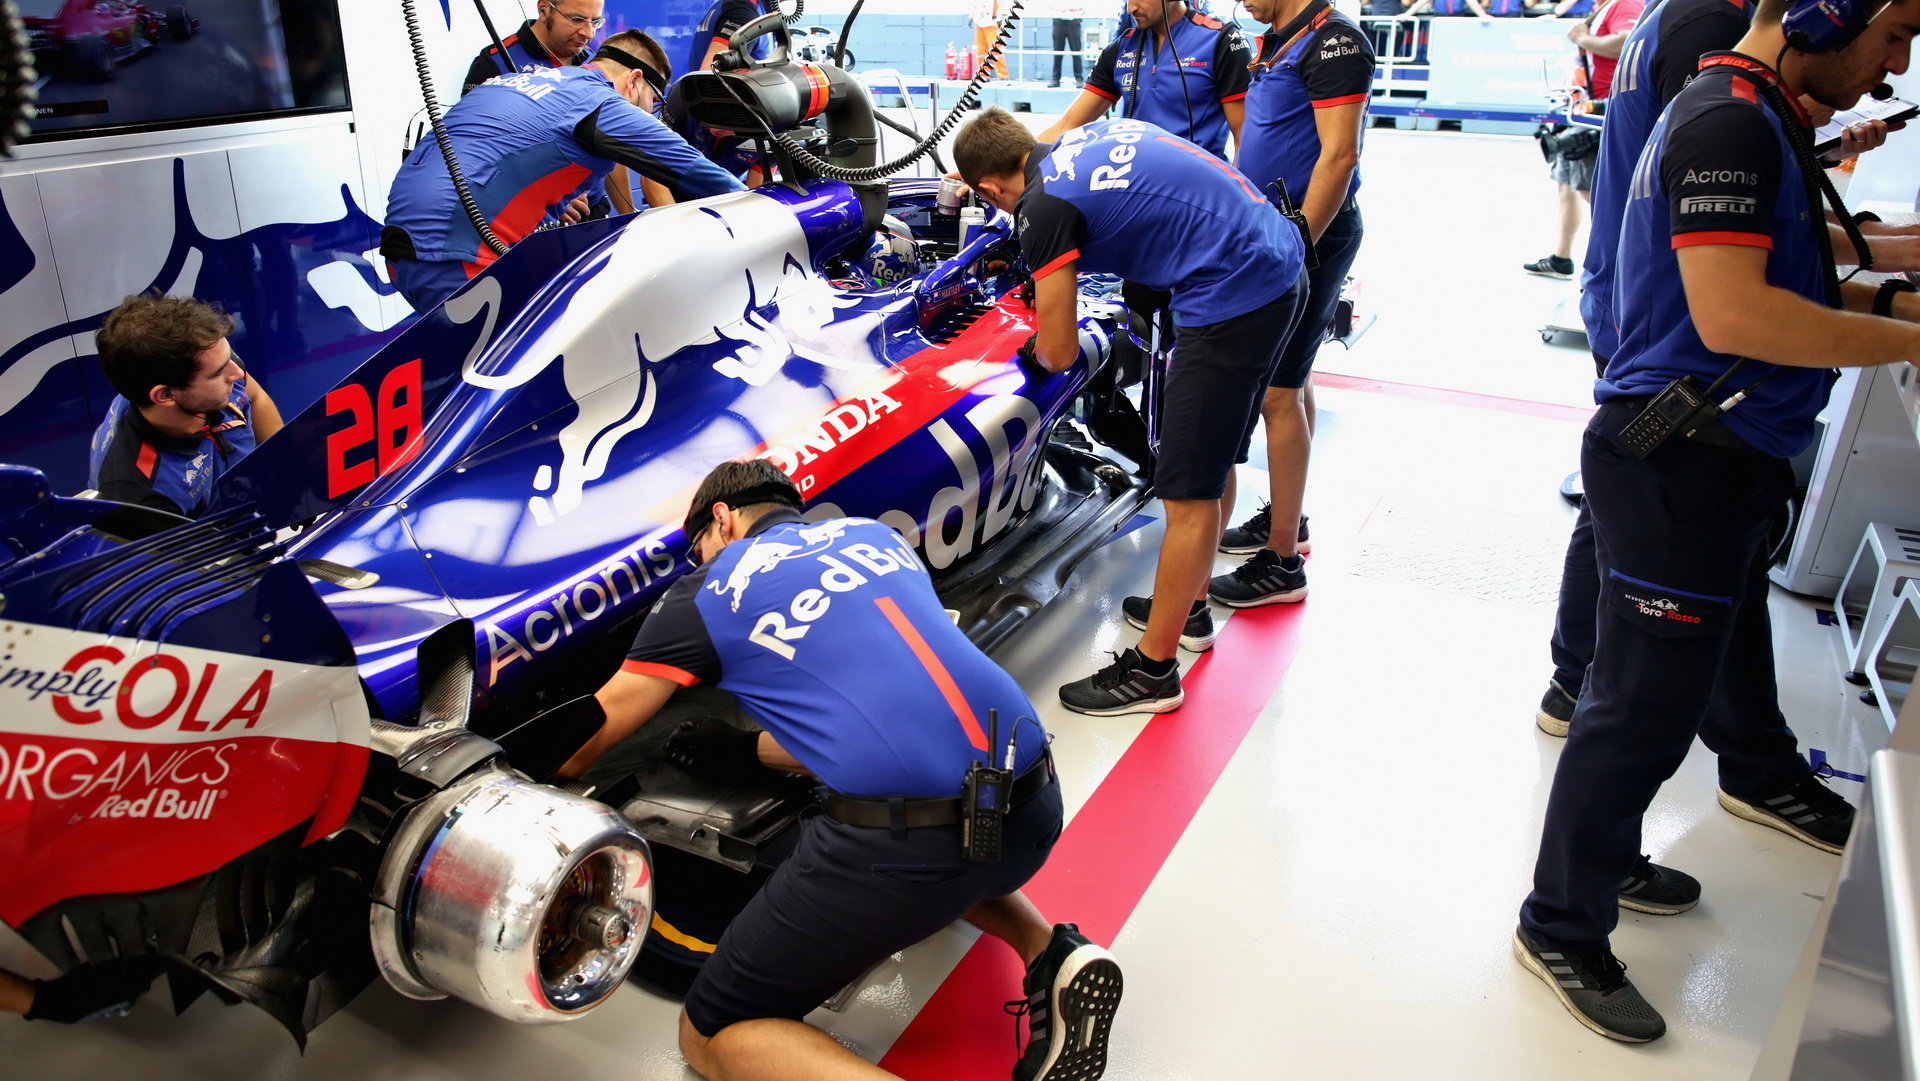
x=1313 y=18
x=1759 y=73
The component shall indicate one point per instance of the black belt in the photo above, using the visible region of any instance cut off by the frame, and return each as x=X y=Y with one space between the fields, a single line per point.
x=934 y=811
x=1714 y=433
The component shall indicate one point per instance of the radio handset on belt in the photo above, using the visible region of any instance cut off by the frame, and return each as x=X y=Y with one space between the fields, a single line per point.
x=1298 y=217
x=1681 y=406
x=983 y=806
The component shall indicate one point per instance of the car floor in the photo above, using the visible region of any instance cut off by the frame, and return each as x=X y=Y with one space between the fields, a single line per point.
x=1311 y=870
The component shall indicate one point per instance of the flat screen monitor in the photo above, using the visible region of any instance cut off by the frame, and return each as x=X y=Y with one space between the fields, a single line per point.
x=108 y=66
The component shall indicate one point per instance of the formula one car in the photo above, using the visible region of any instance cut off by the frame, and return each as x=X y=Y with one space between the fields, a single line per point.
x=89 y=38
x=295 y=743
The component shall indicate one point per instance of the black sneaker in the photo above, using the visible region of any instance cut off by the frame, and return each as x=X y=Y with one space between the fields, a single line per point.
x=1262 y=579
x=1809 y=811
x=1660 y=891
x=1197 y=636
x=1556 y=710
x=1073 y=991
x=1124 y=687
x=1550 y=266
x=1252 y=535
x=1595 y=990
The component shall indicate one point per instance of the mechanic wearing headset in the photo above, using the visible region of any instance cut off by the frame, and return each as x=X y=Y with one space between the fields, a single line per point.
x=721 y=20
x=1724 y=294
x=529 y=144
x=1312 y=74
x=794 y=618
x=185 y=410
x=1125 y=197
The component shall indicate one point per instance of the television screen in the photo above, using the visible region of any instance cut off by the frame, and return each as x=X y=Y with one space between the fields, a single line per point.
x=113 y=65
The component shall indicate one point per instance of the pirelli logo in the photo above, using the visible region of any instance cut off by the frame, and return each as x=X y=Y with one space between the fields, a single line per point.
x=1718 y=204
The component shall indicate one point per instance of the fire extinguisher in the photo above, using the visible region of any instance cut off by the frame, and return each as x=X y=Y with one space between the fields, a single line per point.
x=953 y=63
x=967 y=60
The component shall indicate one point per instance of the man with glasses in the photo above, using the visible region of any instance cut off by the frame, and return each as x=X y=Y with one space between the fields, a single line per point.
x=530 y=144
x=794 y=618
x=558 y=38
x=185 y=411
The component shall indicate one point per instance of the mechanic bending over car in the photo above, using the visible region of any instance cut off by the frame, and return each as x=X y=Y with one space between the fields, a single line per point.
x=529 y=145
x=795 y=618
x=185 y=410
x=1124 y=197
x=559 y=38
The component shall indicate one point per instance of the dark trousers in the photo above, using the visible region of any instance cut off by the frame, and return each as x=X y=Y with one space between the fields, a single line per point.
x=1682 y=647
x=1572 y=644
x=1066 y=36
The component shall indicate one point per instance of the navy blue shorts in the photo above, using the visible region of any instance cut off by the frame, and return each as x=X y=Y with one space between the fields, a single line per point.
x=1336 y=247
x=850 y=896
x=426 y=284
x=1211 y=402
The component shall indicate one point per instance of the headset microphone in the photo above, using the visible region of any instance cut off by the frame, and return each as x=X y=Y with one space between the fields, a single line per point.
x=1881 y=92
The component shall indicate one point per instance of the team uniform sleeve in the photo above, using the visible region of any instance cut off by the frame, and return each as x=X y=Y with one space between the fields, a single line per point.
x=1721 y=170
x=673 y=643
x=1051 y=231
x=1338 y=67
x=622 y=133
x=1676 y=59
x=735 y=15
x=1231 y=57
x=1101 y=80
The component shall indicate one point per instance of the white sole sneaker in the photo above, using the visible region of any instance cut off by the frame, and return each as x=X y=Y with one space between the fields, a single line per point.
x=1156 y=705
x=1084 y=999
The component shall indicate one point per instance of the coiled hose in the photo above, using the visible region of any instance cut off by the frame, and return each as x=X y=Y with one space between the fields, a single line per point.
x=460 y=189
x=967 y=97
x=16 y=79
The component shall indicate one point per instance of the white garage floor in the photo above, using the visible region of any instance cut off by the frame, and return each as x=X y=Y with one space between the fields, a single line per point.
x=1312 y=870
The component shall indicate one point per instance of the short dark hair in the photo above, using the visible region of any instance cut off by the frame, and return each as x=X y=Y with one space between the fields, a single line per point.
x=154 y=340
x=751 y=485
x=995 y=143
x=1769 y=12
x=641 y=44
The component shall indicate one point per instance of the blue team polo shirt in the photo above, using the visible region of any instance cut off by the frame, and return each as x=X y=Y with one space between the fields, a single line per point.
x=1320 y=61
x=831 y=637
x=1180 y=85
x=1661 y=55
x=1125 y=197
x=131 y=461
x=1717 y=170
x=528 y=144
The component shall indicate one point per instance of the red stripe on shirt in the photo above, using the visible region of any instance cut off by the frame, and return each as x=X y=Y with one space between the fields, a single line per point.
x=941 y=677
x=1743 y=90
x=667 y=672
x=527 y=208
x=1211 y=160
x=1056 y=264
x=1334 y=103
x=1099 y=93
x=1233 y=98
x=1744 y=240
x=145 y=460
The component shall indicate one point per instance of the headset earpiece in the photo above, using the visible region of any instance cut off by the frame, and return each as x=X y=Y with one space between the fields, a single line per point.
x=1820 y=26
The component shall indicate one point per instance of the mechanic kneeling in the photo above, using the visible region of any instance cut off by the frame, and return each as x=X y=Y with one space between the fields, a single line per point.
x=830 y=636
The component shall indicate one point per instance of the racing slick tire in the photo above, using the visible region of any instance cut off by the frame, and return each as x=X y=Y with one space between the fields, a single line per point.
x=90 y=58
x=179 y=26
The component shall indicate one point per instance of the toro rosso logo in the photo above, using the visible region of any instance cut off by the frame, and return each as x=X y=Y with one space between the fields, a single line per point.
x=764 y=555
x=161 y=689
x=1660 y=608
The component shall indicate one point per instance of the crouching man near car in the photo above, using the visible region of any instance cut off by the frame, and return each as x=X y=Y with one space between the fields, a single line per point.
x=831 y=637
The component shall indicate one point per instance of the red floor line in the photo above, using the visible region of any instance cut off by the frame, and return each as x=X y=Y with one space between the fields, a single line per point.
x=1549 y=410
x=1111 y=851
